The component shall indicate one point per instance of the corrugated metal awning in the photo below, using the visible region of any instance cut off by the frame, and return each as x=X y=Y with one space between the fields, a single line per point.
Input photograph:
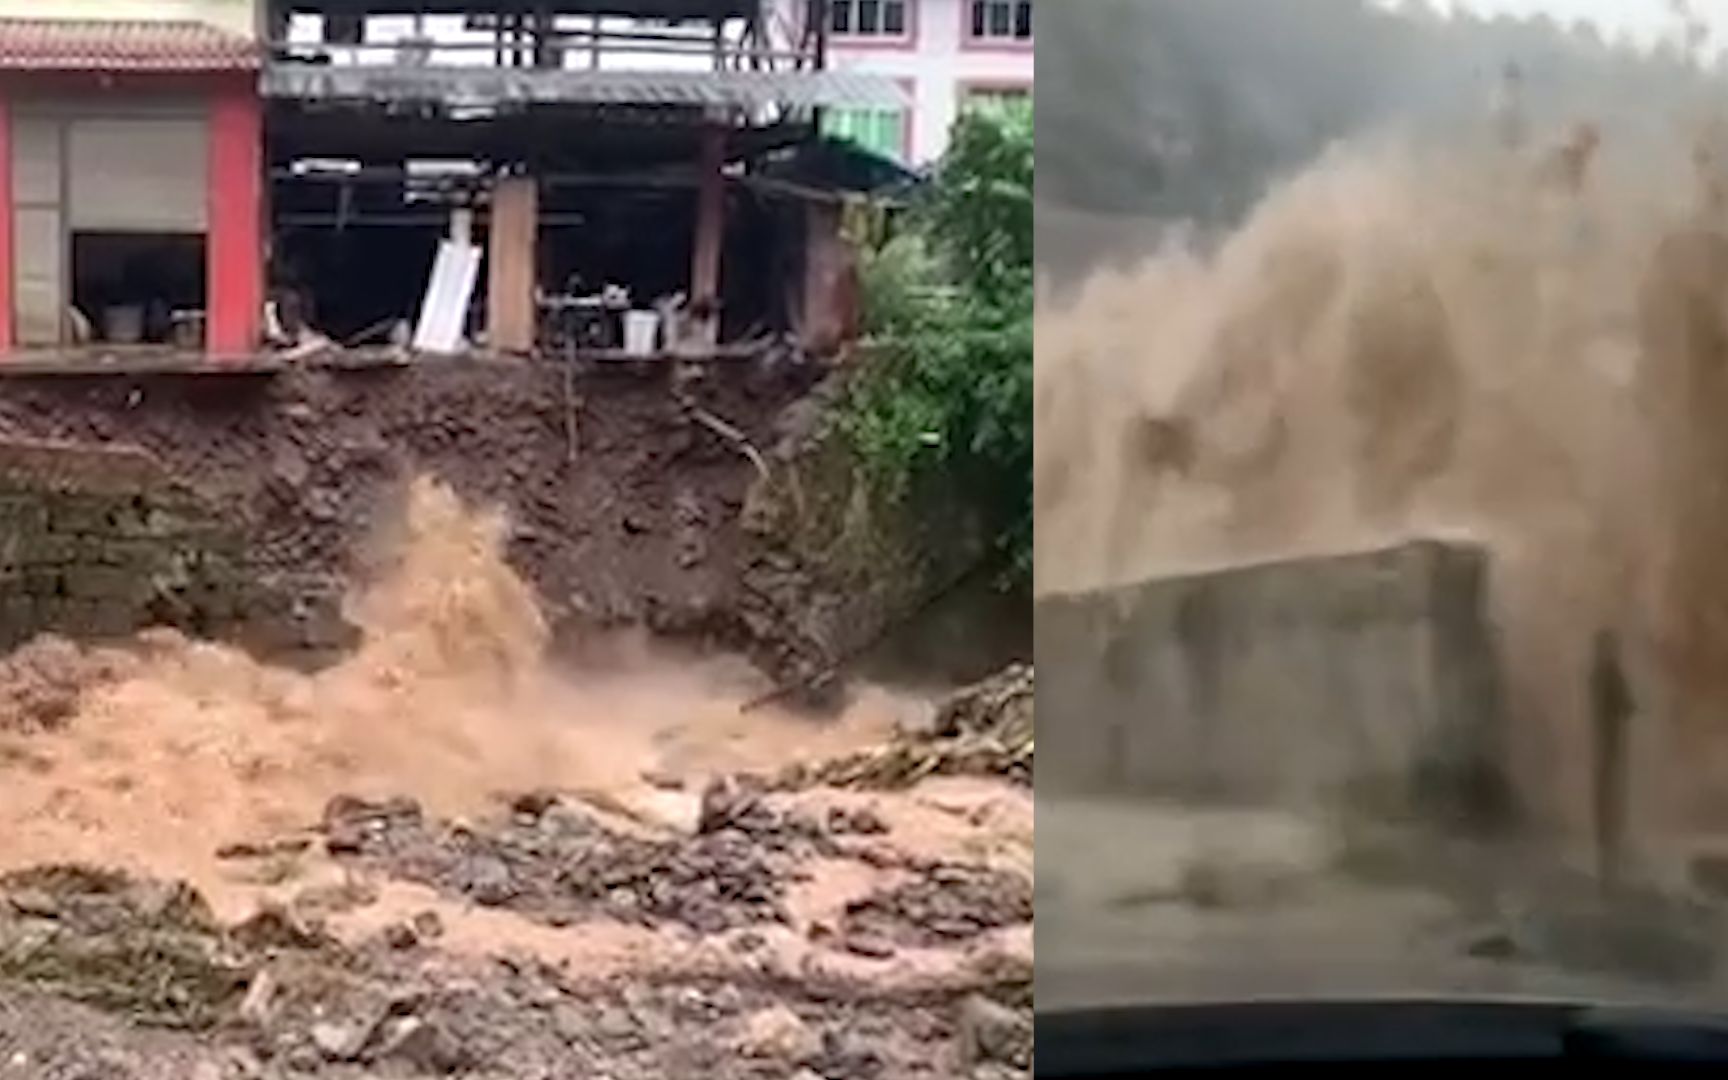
x=159 y=45
x=468 y=87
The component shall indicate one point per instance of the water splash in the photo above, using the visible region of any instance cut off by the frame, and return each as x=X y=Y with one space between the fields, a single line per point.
x=1526 y=348
x=150 y=757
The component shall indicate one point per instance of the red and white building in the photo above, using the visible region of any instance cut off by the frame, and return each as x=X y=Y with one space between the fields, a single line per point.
x=132 y=193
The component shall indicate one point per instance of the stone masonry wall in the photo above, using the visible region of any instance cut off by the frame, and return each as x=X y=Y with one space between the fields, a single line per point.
x=98 y=542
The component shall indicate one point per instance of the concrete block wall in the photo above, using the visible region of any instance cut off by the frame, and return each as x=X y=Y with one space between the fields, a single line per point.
x=1361 y=676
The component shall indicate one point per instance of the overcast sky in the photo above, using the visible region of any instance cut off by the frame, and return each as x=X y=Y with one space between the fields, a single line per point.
x=1646 y=21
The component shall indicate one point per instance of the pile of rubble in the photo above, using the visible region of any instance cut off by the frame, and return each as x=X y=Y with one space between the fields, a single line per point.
x=554 y=862
x=809 y=935
x=148 y=949
x=985 y=729
x=943 y=905
x=103 y=974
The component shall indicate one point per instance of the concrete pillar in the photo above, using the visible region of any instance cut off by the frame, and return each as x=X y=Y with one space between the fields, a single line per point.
x=235 y=247
x=704 y=326
x=511 y=264
x=6 y=199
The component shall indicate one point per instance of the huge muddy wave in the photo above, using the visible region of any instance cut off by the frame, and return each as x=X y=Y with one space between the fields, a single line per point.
x=1525 y=346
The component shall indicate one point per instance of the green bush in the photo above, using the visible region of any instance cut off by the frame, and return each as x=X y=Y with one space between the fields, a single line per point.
x=948 y=306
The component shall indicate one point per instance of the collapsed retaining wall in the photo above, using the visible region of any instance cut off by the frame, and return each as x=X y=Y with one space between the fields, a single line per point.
x=624 y=508
x=626 y=491
x=98 y=542
x=832 y=558
x=722 y=509
x=1290 y=683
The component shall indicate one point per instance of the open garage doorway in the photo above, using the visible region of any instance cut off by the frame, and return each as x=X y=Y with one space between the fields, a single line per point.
x=138 y=288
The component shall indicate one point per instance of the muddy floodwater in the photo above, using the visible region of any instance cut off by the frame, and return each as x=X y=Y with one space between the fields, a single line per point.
x=446 y=854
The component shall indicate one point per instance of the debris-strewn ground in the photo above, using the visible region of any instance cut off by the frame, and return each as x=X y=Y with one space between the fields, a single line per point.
x=983 y=730
x=723 y=928
x=134 y=978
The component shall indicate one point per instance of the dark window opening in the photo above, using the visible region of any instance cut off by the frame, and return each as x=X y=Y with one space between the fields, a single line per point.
x=868 y=18
x=357 y=282
x=139 y=288
x=1006 y=20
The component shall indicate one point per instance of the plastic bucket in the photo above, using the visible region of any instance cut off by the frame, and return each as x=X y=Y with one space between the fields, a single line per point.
x=123 y=324
x=641 y=332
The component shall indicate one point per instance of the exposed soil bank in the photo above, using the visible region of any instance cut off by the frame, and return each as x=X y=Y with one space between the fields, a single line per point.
x=624 y=504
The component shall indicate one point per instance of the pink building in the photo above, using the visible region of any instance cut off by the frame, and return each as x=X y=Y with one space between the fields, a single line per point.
x=945 y=53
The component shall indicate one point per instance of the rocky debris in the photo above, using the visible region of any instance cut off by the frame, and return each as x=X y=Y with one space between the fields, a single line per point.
x=283 y=847
x=943 y=905
x=993 y=1032
x=148 y=949
x=983 y=730
x=274 y=927
x=778 y=1033
x=400 y=936
x=335 y=1013
x=550 y=861
x=351 y=824
x=740 y=805
x=868 y=945
x=1001 y=704
x=855 y=821
x=734 y=802
x=258 y=1005
x=340 y=1041
x=524 y=1019
x=427 y=926
x=420 y=1045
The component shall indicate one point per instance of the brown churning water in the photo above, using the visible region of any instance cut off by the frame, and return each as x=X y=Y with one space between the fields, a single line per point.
x=173 y=747
x=1527 y=347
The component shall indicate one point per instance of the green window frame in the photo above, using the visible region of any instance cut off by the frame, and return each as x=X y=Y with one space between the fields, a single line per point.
x=880 y=131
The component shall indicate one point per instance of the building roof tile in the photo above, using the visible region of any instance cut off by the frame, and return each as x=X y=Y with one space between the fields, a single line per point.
x=122 y=45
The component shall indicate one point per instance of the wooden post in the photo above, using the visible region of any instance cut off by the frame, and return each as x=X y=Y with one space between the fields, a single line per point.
x=511 y=269
x=710 y=237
